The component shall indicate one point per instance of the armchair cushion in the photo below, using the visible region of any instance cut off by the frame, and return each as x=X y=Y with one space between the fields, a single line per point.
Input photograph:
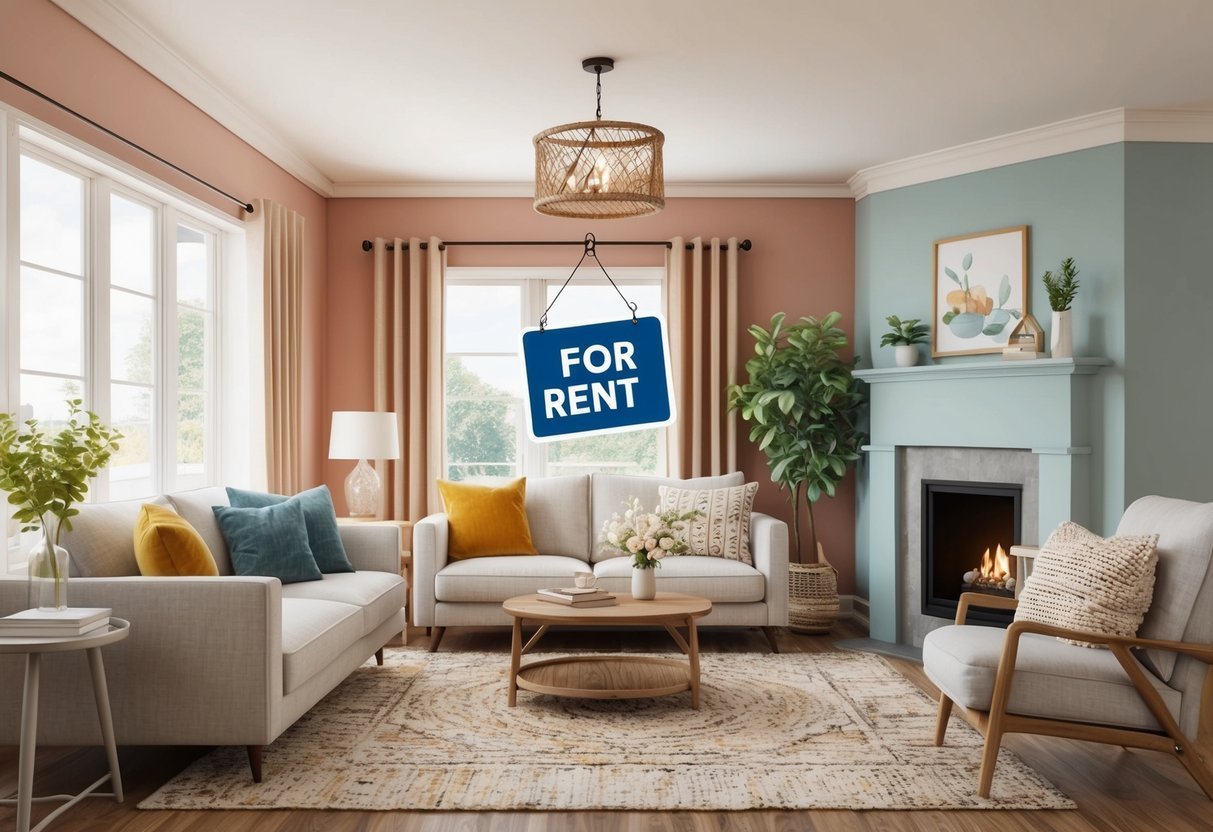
x=720 y=580
x=1053 y=680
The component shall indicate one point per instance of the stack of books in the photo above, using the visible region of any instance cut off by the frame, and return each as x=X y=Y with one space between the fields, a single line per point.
x=578 y=597
x=68 y=623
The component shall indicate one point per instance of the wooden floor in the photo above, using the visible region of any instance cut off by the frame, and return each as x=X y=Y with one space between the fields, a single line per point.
x=1115 y=789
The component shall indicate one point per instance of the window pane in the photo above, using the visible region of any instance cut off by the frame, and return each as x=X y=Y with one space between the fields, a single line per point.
x=193 y=267
x=483 y=318
x=589 y=303
x=191 y=435
x=52 y=322
x=634 y=452
x=455 y=473
x=483 y=377
x=45 y=398
x=130 y=337
x=131 y=467
x=132 y=246
x=52 y=216
x=482 y=432
x=193 y=347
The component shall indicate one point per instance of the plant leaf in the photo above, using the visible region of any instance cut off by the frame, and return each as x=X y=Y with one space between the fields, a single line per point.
x=1004 y=290
x=952 y=275
x=967 y=262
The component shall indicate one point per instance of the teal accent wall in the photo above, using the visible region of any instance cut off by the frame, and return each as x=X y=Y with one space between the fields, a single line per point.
x=1169 y=298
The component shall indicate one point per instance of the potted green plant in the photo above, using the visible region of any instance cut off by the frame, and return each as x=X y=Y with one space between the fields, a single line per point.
x=45 y=475
x=803 y=406
x=904 y=336
x=1061 y=288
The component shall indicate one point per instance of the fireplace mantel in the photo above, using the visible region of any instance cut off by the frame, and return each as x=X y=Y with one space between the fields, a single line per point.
x=985 y=369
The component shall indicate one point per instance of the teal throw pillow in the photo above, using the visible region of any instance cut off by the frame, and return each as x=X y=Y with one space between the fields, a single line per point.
x=270 y=541
x=318 y=514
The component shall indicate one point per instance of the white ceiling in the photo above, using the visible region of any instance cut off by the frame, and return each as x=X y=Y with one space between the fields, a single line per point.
x=763 y=92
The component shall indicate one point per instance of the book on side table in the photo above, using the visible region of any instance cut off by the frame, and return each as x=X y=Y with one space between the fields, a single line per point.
x=73 y=621
x=578 y=597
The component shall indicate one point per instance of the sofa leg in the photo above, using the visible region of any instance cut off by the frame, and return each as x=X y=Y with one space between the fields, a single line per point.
x=436 y=638
x=769 y=632
x=254 y=761
x=379 y=657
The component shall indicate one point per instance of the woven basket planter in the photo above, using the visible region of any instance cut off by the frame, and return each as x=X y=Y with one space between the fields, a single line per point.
x=812 y=598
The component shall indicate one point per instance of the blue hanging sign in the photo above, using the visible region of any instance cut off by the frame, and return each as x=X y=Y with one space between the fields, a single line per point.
x=597 y=378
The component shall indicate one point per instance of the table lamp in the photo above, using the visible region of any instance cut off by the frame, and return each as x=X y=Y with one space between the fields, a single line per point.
x=363 y=435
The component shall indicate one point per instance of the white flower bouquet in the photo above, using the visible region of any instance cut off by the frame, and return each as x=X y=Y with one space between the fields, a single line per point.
x=646 y=536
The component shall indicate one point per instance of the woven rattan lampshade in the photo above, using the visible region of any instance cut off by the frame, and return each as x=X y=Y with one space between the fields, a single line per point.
x=599 y=169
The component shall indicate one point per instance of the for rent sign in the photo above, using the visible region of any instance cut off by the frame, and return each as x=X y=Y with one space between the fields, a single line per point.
x=597 y=378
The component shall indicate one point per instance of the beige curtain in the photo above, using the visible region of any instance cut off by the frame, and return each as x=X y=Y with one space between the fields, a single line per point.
x=701 y=309
x=278 y=239
x=409 y=346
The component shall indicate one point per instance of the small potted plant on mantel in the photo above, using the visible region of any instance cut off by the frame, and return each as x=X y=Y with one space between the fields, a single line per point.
x=1061 y=287
x=904 y=337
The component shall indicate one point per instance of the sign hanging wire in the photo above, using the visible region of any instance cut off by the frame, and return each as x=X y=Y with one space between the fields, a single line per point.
x=591 y=250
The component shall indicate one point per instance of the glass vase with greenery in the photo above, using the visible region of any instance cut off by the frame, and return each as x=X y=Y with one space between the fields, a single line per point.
x=45 y=475
x=803 y=405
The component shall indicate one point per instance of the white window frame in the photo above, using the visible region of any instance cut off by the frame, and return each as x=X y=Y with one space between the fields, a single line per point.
x=533 y=284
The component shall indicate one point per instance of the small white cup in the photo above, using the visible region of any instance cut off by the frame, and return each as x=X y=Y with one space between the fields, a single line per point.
x=585 y=580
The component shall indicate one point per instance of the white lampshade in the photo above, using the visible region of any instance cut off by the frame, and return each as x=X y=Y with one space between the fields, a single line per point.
x=361 y=434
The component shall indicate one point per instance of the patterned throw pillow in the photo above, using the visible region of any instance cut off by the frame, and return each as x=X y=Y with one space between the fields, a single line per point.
x=722 y=529
x=1085 y=582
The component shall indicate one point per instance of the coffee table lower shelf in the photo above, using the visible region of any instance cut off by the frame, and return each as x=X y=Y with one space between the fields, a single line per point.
x=606 y=677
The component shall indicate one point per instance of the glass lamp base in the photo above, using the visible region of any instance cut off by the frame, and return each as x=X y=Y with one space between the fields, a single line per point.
x=362 y=491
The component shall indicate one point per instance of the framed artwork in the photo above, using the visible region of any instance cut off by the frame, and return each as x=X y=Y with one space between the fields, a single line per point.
x=981 y=291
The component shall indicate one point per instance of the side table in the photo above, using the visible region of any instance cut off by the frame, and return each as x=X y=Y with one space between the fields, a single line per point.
x=33 y=648
x=406 y=559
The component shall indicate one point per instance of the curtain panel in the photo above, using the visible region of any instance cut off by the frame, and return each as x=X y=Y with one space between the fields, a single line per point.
x=278 y=241
x=409 y=349
x=701 y=310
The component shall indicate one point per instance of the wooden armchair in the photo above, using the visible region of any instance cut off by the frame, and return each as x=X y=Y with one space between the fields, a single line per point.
x=1023 y=680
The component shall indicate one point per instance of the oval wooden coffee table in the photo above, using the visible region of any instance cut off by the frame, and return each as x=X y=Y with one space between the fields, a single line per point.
x=608 y=677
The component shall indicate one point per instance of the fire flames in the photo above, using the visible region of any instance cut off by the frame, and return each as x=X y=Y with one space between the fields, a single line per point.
x=994 y=572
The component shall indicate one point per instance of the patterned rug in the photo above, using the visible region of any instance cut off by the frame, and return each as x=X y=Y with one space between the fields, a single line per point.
x=792 y=731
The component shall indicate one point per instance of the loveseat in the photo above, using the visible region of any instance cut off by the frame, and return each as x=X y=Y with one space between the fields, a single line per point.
x=565 y=515
x=225 y=660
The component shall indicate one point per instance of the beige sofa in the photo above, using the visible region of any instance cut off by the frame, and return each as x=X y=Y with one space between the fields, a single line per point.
x=565 y=516
x=227 y=660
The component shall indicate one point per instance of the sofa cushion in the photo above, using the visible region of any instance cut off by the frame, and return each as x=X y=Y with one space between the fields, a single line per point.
x=719 y=580
x=608 y=492
x=269 y=541
x=1052 y=679
x=195 y=506
x=722 y=527
x=102 y=543
x=558 y=512
x=318 y=514
x=314 y=634
x=486 y=520
x=167 y=546
x=379 y=595
x=498 y=578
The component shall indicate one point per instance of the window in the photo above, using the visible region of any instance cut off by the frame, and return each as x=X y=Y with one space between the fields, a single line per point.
x=485 y=430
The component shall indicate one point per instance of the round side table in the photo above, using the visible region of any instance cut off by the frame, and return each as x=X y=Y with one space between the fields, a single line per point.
x=33 y=648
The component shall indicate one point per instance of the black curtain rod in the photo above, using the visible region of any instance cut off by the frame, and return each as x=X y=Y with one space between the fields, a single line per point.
x=367 y=245
x=245 y=205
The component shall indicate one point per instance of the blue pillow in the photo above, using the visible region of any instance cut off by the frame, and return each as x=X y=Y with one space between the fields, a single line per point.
x=319 y=516
x=270 y=541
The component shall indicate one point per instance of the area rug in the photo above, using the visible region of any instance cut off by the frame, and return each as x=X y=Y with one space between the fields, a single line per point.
x=793 y=731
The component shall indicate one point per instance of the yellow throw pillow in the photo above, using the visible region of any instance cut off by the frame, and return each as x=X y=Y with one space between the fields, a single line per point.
x=166 y=545
x=486 y=521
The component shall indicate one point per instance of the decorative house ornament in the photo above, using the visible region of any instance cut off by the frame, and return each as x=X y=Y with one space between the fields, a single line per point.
x=1027 y=339
x=599 y=169
x=980 y=286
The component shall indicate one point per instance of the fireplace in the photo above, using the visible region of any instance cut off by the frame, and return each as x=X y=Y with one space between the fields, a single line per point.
x=968 y=529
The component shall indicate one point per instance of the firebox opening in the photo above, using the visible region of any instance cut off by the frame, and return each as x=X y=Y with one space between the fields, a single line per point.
x=968 y=529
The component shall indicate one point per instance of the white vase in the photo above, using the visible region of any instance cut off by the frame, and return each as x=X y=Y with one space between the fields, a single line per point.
x=1061 y=338
x=644 y=584
x=906 y=355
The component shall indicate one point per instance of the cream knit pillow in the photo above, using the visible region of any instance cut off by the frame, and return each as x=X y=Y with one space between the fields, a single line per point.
x=1085 y=582
x=722 y=529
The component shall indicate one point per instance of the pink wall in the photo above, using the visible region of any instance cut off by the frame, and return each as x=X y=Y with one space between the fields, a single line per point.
x=48 y=49
x=802 y=263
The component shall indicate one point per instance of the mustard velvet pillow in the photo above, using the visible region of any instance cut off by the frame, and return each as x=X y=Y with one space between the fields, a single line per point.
x=167 y=546
x=485 y=521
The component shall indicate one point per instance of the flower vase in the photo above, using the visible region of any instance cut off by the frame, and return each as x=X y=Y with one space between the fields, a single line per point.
x=48 y=576
x=644 y=584
x=1061 y=341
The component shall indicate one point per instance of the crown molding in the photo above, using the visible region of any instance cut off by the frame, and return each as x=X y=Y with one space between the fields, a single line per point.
x=143 y=47
x=1081 y=133
x=673 y=190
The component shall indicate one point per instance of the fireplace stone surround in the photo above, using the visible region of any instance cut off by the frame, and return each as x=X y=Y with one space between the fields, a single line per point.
x=1029 y=421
